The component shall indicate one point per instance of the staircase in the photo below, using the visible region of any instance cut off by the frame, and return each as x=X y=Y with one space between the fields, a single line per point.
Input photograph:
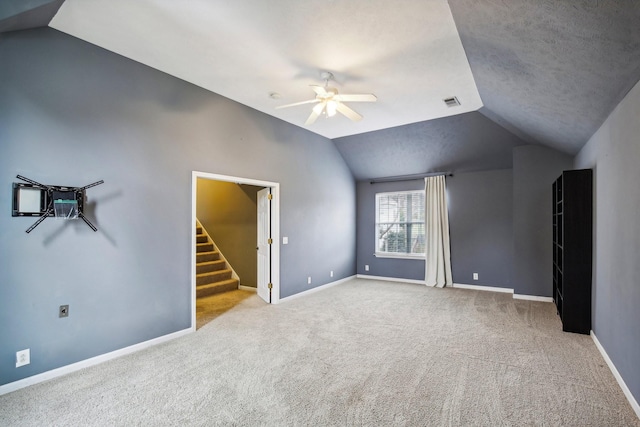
x=213 y=273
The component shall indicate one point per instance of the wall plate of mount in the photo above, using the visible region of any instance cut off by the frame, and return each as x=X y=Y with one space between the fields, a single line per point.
x=30 y=198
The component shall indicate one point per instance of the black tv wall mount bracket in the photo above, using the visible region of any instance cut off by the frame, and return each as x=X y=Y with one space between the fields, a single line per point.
x=35 y=199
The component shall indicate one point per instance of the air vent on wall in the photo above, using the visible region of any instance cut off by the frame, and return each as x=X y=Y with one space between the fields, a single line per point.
x=451 y=102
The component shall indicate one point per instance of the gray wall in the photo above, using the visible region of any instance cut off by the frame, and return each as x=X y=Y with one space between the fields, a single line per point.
x=481 y=227
x=613 y=151
x=534 y=170
x=72 y=113
x=366 y=230
x=229 y=213
x=480 y=221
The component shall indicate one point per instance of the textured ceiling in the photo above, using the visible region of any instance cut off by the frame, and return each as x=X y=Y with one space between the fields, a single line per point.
x=408 y=53
x=462 y=143
x=553 y=70
x=547 y=72
x=24 y=14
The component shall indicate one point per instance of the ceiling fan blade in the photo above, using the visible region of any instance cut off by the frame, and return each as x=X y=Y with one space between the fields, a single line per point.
x=362 y=97
x=348 y=112
x=319 y=90
x=315 y=113
x=311 y=101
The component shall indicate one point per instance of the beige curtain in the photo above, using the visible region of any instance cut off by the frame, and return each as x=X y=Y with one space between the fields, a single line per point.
x=436 y=221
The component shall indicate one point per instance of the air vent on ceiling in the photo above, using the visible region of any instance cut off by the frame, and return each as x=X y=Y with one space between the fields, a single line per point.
x=451 y=102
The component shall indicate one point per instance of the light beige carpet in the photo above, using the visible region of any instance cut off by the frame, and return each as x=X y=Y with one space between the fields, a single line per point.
x=212 y=306
x=361 y=353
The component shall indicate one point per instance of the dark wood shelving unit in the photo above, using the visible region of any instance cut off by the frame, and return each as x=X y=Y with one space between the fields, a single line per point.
x=572 y=249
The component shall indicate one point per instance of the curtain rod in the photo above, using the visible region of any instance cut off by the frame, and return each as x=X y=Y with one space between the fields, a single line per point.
x=409 y=177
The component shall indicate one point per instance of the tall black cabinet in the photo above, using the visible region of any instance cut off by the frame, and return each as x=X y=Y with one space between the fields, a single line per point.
x=572 y=249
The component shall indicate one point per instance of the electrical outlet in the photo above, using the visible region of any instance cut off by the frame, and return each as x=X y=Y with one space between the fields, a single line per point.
x=331 y=274
x=366 y=267
x=309 y=280
x=475 y=276
x=63 y=311
x=23 y=357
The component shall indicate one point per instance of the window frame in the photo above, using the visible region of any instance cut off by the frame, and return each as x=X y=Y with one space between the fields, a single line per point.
x=400 y=255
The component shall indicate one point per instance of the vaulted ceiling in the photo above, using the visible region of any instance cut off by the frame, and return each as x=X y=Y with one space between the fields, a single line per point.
x=551 y=71
x=538 y=72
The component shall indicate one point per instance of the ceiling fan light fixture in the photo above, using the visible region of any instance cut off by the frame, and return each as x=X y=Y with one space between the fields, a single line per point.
x=332 y=108
x=329 y=101
x=326 y=75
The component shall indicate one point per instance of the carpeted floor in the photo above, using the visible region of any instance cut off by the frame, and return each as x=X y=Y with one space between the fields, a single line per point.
x=361 y=353
x=212 y=306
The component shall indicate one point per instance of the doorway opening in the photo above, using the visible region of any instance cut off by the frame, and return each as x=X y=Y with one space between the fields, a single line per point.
x=267 y=258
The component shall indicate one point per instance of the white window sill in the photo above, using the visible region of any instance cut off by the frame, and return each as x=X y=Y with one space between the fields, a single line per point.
x=398 y=256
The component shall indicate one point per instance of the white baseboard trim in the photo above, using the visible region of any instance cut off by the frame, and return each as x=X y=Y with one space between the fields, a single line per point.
x=314 y=290
x=463 y=286
x=532 y=298
x=390 y=279
x=618 y=377
x=504 y=290
x=247 y=288
x=64 y=370
x=483 y=288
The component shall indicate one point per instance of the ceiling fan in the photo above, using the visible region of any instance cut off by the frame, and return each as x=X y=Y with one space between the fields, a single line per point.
x=329 y=101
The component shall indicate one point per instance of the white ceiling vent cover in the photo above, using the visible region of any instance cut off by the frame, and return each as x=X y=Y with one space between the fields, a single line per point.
x=451 y=102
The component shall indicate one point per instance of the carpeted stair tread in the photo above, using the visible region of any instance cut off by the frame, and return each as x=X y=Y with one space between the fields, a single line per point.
x=204 y=247
x=213 y=273
x=217 y=287
x=213 y=276
x=207 y=256
x=208 y=266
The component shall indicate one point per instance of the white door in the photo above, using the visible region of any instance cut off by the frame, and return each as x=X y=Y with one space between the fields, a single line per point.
x=264 y=247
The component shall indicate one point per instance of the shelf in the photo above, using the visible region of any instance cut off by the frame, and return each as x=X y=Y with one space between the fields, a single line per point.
x=559 y=289
x=559 y=305
x=572 y=232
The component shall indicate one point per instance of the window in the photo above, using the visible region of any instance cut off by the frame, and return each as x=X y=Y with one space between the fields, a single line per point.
x=400 y=223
